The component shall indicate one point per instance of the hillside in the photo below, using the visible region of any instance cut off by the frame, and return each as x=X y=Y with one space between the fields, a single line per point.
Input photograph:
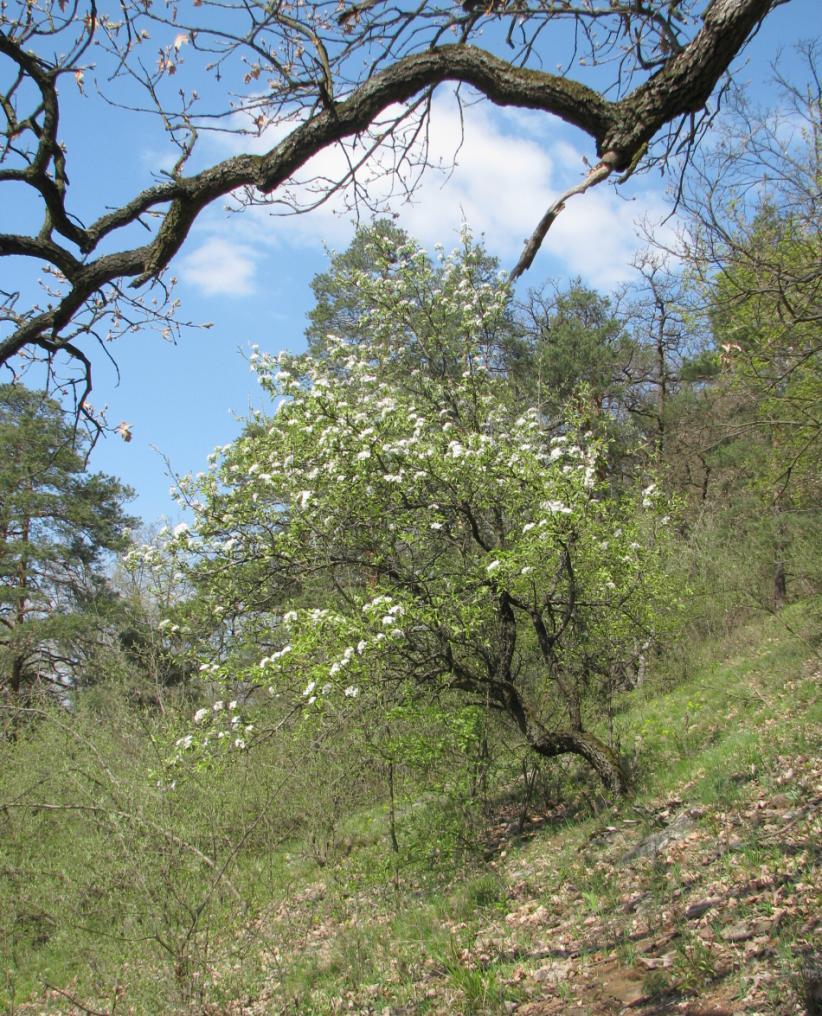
x=699 y=895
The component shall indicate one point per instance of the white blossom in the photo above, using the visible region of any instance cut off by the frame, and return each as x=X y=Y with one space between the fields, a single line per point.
x=556 y=507
x=376 y=602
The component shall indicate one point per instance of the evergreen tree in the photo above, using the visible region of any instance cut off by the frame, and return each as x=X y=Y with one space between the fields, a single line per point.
x=577 y=340
x=57 y=521
x=426 y=322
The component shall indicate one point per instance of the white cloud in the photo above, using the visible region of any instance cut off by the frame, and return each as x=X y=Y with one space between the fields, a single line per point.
x=510 y=166
x=500 y=186
x=596 y=236
x=220 y=267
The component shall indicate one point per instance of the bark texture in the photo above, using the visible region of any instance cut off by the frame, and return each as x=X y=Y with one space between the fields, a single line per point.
x=620 y=131
x=602 y=759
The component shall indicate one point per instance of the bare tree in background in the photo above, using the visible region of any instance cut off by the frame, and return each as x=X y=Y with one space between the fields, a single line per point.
x=751 y=206
x=308 y=76
x=751 y=253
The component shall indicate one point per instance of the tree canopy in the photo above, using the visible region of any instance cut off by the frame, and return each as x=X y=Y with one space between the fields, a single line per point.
x=405 y=527
x=752 y=254
x=57 y=522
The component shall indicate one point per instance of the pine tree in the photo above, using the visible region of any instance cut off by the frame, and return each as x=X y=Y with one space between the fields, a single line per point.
x=57 y=523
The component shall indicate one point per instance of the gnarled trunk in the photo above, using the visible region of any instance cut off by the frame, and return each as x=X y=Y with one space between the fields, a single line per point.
x=602 y=759
x=573 y=740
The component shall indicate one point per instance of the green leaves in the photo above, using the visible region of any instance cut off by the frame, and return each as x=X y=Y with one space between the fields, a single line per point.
x=404 y=532
x=57 y=523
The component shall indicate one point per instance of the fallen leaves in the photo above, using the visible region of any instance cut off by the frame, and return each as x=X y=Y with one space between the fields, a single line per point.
x=701 y=924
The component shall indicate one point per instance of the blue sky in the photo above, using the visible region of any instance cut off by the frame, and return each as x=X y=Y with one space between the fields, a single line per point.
x=248 y=274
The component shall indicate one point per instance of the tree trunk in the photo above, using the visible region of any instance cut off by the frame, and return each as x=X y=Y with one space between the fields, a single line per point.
x=16 y=683
x=780 y=580
x=780 y=574
x=602 y=759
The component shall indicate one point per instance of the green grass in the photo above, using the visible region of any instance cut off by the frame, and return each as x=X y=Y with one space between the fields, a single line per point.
x=95 y=904
x=728 y=716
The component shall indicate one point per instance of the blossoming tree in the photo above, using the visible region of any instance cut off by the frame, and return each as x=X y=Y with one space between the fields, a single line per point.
x=409 y=533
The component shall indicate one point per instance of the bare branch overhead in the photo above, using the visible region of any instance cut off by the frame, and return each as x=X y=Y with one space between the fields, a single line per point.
x=310 y=76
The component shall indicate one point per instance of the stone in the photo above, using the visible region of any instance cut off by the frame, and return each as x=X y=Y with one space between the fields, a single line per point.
x=656 y=842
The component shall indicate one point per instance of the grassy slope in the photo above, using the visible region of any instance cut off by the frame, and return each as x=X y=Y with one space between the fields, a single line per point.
x=697 y=896
x=561 y=920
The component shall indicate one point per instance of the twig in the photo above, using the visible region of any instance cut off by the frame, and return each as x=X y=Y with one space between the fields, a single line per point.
x=599 y=173
x=129 y=817
x=76 y=1002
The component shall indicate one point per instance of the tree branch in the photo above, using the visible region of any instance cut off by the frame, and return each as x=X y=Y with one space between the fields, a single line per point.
x=619 y=129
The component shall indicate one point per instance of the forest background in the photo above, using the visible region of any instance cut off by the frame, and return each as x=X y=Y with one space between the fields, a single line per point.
x=460 y=551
